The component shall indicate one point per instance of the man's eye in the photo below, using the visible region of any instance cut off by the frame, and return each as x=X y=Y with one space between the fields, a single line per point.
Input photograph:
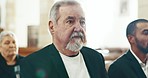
x=82 y=23
x=13 y=42
x=146 y=32
x=69 y=21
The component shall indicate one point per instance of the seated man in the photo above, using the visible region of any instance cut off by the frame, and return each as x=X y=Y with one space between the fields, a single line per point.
x=133 y=63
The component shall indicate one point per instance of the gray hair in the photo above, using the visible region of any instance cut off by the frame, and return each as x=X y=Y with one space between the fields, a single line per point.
x=6 y=33
x=55 y=8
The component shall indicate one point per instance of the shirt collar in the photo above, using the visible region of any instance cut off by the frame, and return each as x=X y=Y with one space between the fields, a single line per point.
x=140 y=62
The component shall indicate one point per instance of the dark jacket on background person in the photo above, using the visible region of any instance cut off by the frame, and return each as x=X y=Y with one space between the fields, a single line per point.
x=9 y=71
x=126 y=66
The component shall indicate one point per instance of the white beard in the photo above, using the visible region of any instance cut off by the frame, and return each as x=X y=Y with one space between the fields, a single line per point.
x=76 y=46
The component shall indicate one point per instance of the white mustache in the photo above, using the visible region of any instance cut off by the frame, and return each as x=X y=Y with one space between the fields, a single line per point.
x=77 y=34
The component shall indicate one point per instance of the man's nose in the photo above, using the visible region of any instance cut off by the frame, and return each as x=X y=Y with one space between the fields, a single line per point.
x=78 y=27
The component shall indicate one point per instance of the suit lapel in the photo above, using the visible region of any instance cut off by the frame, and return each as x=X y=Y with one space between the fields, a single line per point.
x=135 y=65
x=57 y=61
x=89 y=62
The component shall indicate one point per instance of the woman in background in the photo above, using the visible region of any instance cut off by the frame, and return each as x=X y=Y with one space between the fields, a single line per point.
x=9 y=58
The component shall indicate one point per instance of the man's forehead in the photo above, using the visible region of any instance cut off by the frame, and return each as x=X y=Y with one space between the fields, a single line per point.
x=142 y=25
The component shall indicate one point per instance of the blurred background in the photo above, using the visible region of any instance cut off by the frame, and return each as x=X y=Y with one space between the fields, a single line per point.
x=106 y=22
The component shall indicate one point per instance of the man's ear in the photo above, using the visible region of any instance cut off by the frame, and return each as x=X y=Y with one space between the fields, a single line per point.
x=131 y=39
x=51 y=28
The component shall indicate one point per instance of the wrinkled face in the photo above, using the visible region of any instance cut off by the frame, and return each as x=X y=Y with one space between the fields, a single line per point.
x=141 y=37
x=70 y=27
x=8 y=46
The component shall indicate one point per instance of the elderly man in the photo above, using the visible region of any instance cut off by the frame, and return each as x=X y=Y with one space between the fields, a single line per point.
x=66 y=57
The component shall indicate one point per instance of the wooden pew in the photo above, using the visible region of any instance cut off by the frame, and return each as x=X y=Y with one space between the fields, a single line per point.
x=26 y=51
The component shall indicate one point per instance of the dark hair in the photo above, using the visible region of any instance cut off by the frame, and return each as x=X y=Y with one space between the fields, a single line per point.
x=132 y=26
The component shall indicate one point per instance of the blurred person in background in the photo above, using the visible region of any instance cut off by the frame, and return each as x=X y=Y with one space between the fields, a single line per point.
x=9 y=58
x=134 y=63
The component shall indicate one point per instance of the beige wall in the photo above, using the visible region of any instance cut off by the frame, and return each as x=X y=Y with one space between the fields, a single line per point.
x=143 y=9
x=44 y=36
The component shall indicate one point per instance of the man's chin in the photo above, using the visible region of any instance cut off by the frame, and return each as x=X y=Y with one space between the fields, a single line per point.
x=74 y=48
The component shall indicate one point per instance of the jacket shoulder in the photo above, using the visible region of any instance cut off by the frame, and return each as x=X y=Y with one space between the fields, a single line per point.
x=45 y=51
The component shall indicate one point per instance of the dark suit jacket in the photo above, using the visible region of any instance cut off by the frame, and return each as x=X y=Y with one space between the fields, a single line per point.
x=8 y=71
x=126 y=66
x=47 y=63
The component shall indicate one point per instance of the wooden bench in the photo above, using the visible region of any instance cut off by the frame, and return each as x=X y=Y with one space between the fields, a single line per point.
x=27 y=51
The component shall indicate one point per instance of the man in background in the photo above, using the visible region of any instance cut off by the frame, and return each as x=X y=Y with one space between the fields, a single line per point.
x=133 y=64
